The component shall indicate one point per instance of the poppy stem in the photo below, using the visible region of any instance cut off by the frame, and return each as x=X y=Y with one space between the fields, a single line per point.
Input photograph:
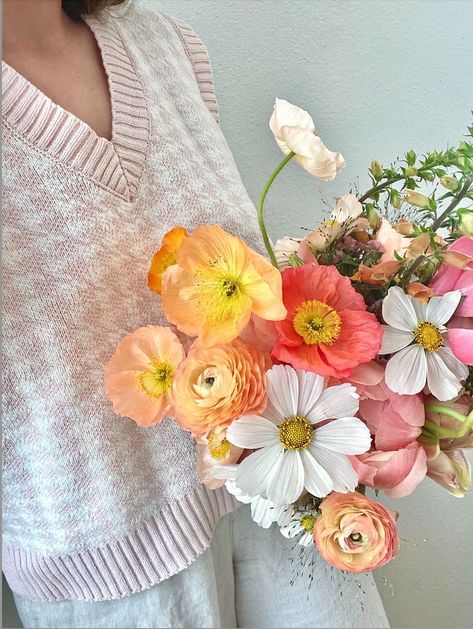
x=260 y=210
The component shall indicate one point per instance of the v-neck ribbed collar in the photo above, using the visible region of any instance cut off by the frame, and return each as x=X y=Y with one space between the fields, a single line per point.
x=115 y=164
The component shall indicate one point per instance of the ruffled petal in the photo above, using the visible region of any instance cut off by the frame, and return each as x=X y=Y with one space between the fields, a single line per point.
x=442 y=383
x=398 y=310
x=316 y=480
x=287 y=482
x=253 y=472
x=406 y=371
x=441 y=309
x=346 y=436
x=337 y=466
x=310 y=389
x=395 y=339
x=334 y=403
x=461 y=343
x=283 y=390
x=252 y=432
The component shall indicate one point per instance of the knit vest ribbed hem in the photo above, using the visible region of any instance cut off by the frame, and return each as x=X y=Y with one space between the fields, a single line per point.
x=154 y=551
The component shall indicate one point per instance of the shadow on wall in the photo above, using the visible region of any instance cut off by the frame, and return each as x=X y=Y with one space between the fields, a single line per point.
x=10 y=618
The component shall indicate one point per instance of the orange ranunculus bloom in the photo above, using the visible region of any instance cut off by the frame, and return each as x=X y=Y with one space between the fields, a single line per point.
x=138 y=377
x=165 y=256
x=355 y=533
x=217 y=283
x=216 y=385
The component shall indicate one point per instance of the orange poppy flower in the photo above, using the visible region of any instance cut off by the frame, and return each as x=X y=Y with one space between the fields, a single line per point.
x=217 y=283
x=165 y=257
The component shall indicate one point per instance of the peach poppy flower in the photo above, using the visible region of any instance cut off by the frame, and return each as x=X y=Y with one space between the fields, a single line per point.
x=215 y=286
x=165 y=257
x=138 y=377
x=215 y=385
x=327 y=329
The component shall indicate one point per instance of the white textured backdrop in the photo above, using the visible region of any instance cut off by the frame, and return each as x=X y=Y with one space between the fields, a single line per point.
x=379 y=77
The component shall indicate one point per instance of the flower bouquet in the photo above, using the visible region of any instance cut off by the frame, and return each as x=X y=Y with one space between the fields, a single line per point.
x=340 y=364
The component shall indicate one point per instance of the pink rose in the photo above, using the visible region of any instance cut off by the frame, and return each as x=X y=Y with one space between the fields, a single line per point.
x=450 y=277
x=355 y=533
x=397 y=472
x=460 y=338
x=394 y=420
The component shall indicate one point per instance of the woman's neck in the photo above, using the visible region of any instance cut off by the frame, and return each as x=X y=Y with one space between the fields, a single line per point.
x=37 y=26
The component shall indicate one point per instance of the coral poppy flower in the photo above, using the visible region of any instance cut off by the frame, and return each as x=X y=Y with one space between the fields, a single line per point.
x=138 y=377
x=327 y=329
x=165 y=257
x=215 y=286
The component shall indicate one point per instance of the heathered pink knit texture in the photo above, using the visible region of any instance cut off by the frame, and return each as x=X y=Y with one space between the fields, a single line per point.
x=96 y=507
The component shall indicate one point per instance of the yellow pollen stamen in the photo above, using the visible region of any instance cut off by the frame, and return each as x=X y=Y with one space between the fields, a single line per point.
x=219 y=449
x=317 y=323
x=295 y=433
x=307 y=522
x=219 y=292
x=428 y=336
x=156 y=381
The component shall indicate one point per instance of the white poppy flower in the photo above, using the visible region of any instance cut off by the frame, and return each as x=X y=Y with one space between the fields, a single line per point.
x=293 y=452
x=301 y=527
x=294 y=130
x=347 y=208
x=263 y=511
x=284 y=249
x=416 y=334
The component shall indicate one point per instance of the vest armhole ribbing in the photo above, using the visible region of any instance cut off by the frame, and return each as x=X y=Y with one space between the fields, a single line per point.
x=200 y=61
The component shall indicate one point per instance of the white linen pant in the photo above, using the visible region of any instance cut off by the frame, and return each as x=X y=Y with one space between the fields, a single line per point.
x=242 y=580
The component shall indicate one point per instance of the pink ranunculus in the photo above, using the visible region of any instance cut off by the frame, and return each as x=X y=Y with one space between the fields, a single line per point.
x=355 y=533
x=260 y=333
x=396 y=472
x=450 y=277
x=460 y=338
x=394 y=420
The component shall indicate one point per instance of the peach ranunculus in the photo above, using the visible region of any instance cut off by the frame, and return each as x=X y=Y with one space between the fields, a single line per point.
x=216 y=385
x=450 y=277
x=328 y=329
x=216 y=284
x=396 y=472
x=447 y=463
x=355 y=533
x=138 y=377
x=165 y=257
x=214 y=452
x=294 y=130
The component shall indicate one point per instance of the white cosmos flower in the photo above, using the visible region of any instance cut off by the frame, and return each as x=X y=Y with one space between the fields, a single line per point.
x=293 y=452
x=416 y=334
x=294 y=130
x=301 y=526
x=263 y=511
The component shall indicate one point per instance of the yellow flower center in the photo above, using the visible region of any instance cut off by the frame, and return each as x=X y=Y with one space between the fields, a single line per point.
x=156 y=381
x=428 y=336
x=307 y=522
x=317 y=323
x=295 y=433
x=219 y=449
x=220 y=293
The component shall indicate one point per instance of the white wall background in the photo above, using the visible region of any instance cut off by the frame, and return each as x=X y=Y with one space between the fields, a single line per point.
x=379 y=77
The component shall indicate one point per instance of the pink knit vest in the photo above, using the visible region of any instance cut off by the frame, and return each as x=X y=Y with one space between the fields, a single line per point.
x=96 y=507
